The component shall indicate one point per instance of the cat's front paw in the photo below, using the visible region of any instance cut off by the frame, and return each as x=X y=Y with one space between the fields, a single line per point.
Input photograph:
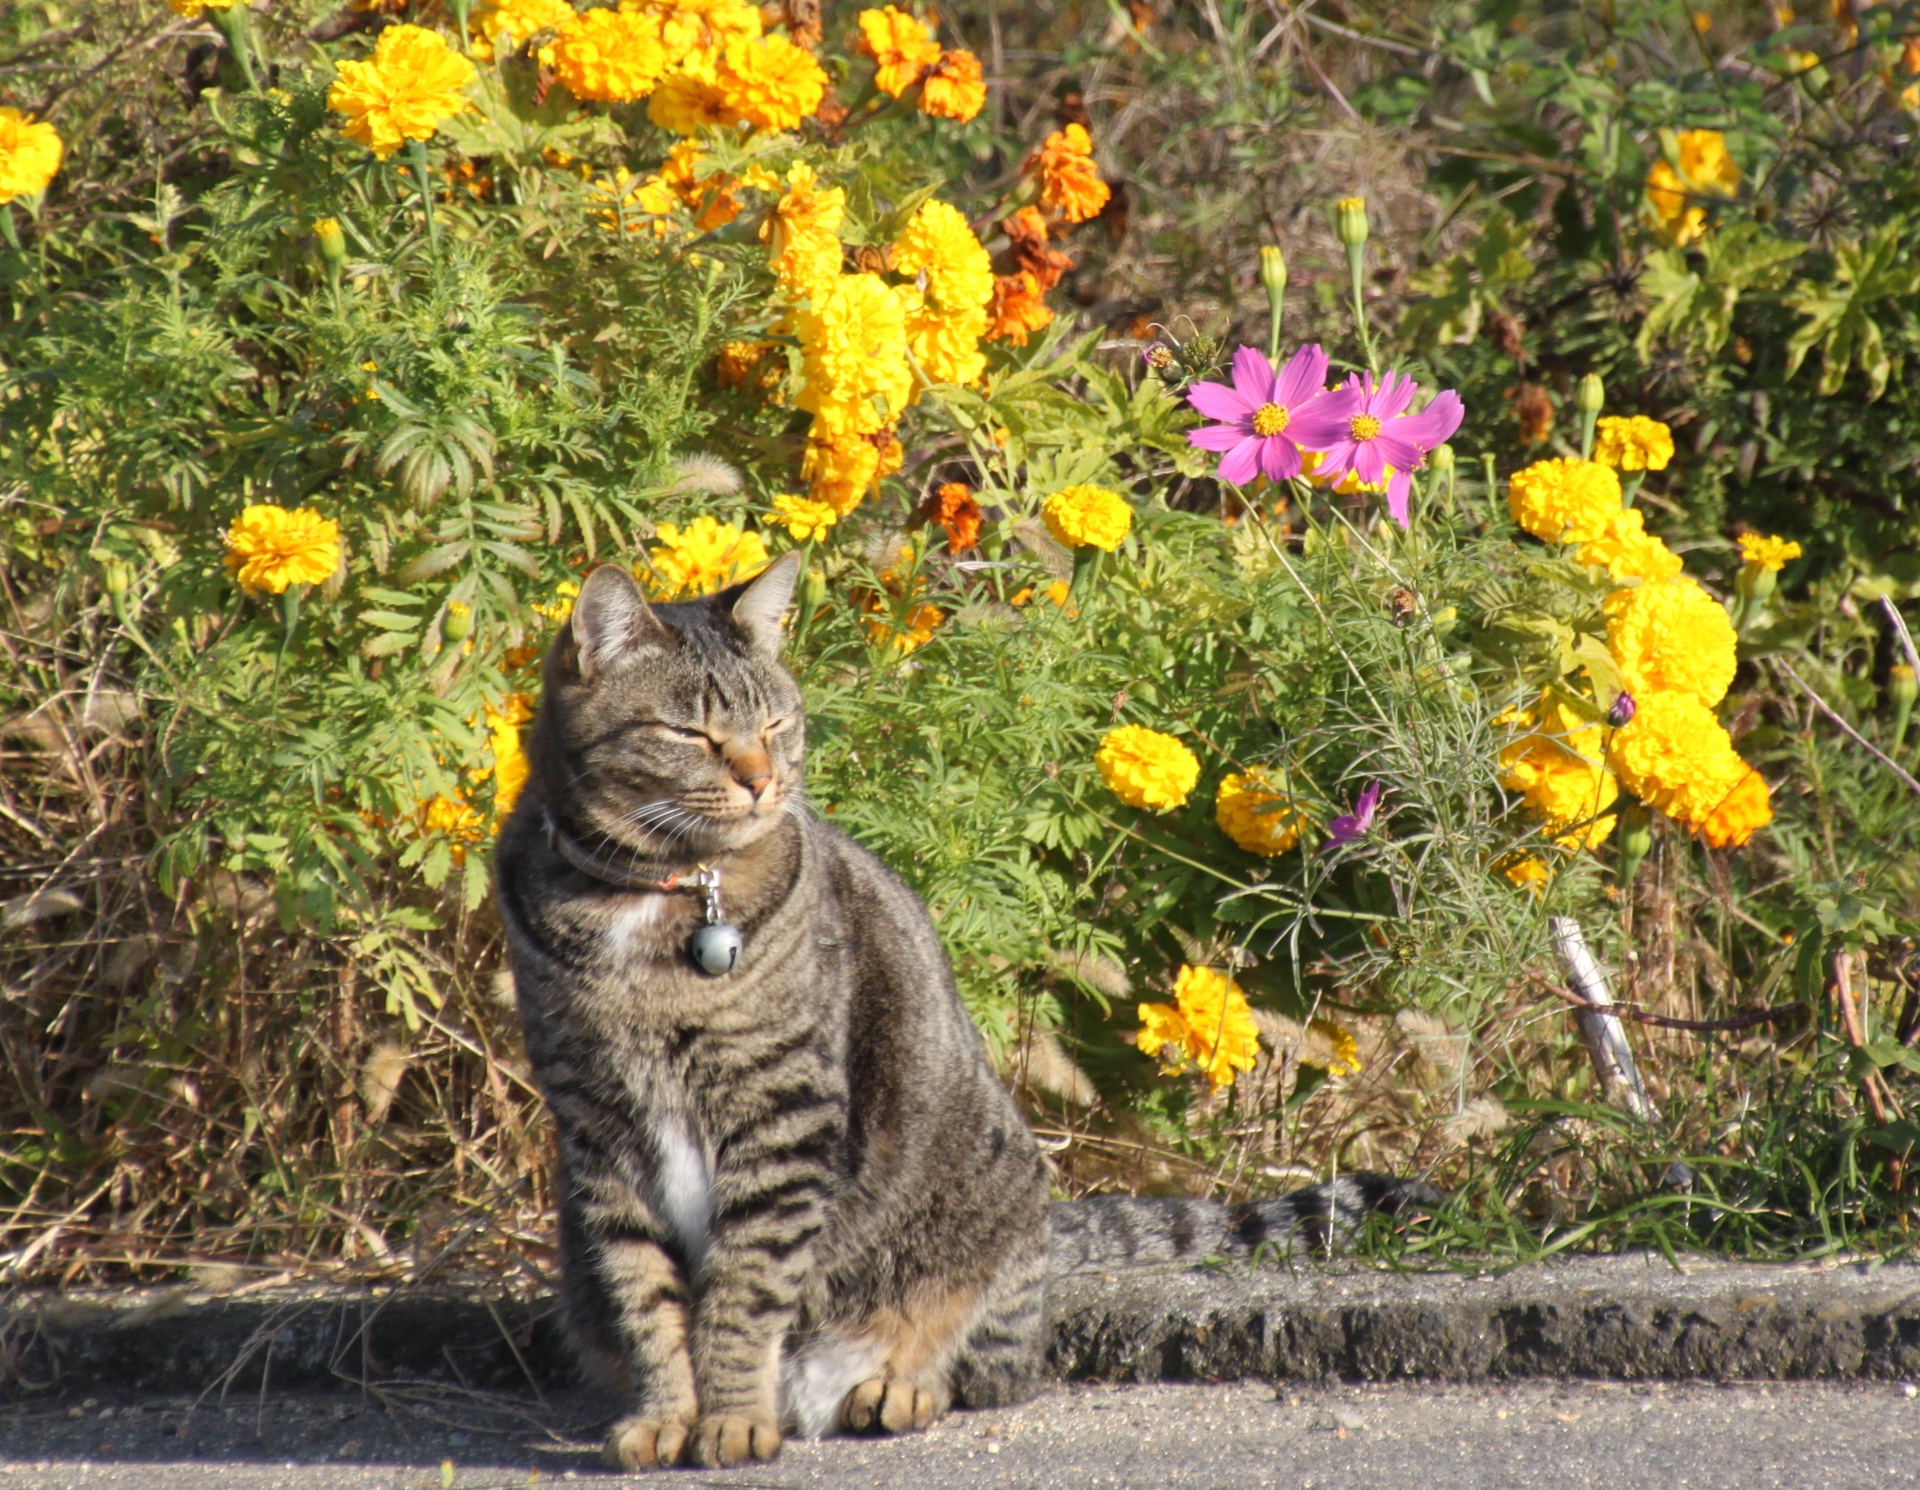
x=890 y=1404
x=722 y=1440
x=647 y=1442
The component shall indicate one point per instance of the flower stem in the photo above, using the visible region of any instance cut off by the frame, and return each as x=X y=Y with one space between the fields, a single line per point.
x=9 y=229
x=233 y=25
x=417 y=153
x=1356 y=268
x=1493 y=492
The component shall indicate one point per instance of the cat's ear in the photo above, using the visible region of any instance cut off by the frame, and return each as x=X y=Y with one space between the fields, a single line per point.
x=763 y=600
x=610 y=619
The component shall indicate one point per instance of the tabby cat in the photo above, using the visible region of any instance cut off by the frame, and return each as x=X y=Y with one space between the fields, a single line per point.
x=793 y=1195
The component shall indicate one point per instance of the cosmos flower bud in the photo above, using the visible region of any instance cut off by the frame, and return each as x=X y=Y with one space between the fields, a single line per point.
x=1350 y=221
x=1590 y=395
x=1158 y=356
x=1622 y=711
x=1441 y=458
x=1273 y=272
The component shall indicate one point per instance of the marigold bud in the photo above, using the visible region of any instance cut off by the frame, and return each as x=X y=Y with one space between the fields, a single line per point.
x=457 y=622
x=116 y=577
x=332 y=242
x=1755 y=582
x=1902 y=688
x=1590 y=395
x=1634 y=838
x=813 y=591
x=1350 y=221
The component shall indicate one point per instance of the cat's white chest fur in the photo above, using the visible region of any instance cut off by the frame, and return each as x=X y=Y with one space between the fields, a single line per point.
x=683 y=1187
x=635 y=929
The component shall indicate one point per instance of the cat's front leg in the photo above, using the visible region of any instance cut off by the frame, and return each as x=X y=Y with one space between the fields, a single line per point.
x=762 y=1248
x=648 y=1302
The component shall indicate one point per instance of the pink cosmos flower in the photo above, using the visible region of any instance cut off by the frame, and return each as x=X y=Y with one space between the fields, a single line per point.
x=1257 y=413
x=1358 y=823
x=1362 y=427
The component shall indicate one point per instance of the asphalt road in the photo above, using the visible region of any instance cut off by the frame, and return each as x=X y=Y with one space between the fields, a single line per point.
x=1164 y=1437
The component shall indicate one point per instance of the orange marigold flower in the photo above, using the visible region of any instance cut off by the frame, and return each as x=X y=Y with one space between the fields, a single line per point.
x=955 y=88
x=1070 y=182
x=1017 y=309
x=610 y=57
x=955 y=510
x=1026 y=232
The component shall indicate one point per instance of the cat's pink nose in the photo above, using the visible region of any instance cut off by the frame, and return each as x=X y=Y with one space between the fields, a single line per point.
x=757 y=784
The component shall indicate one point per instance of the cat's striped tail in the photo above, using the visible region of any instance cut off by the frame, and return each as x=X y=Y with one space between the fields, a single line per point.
x=1107 y=1232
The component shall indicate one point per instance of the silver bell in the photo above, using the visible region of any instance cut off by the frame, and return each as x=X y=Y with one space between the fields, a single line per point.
x=716 y=949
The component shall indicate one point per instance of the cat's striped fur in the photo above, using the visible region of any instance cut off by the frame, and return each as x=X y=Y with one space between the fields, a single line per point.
x=795 y=1197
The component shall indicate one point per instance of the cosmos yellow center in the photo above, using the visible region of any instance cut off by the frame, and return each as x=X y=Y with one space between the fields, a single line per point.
x=1363 y=427
x=1270 y=419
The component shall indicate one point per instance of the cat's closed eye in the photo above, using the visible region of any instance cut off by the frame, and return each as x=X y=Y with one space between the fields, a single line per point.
x=679 y=732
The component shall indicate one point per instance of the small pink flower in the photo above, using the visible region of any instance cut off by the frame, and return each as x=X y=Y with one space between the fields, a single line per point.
x=1362 y=427
x=1258 y=413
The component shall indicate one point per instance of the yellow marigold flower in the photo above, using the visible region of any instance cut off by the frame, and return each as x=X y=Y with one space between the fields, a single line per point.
x=510 y=766
x=689 y=99
x=192 y=8
x=900 y=46
x=1676 y=757
x=1209 y=1023
x=1706 y=169
x=738 y=360
x=1341 y=1056
x=955 y=88
x=452 y=816
x=604 y=56
x=1635 y=444
x=1564 y=785
x=1087 y=517
x=1145 y=768
x=918 y=627
x=1742 y=812
x=1764 y=552
x=853 y=343
x=803 y=517
x=1628 y=550
x=410 y=88
x=947 y=318
x=1259 y=811
x=1163 y=1036
x=270 y=548
x=30 y=152
x=505 y=25
x=705 y=556
x=938 y=242
x=689 y=27
x=771 y=82
x=1526 y=872
x=840 y=473
x=765 y=81
x=561 y=606
x=1070 y=182
x=1671 y=636
x=801 y=234
x=1564 y=500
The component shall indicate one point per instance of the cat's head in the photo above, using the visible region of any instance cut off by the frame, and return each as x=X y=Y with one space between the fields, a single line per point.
x=673 y=729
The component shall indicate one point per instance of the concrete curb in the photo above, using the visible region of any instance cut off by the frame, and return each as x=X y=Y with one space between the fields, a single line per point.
x=1620 y=1317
